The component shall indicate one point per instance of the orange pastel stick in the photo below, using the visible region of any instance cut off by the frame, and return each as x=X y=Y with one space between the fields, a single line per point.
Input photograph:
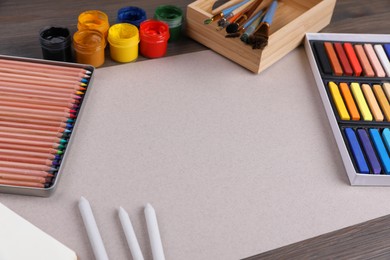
x=334 y=61
x=349 y=101
x=355 y=64
x=372 y=103
x=367 y=69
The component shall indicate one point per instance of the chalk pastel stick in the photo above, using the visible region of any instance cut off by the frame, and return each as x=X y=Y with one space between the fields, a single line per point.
x=369 y=151
x=361 y=54
x=386 y=89
x=355 y=64
x=334 y=61
x=361 y=101
x=386 y=138
x=382 y=100
x=343 y=59
x=387 y=49
x=322 y=57
x=338 y=101
x=349 y=102
x=380 y=149
x=376 y=65
x=356 y=151
x=372 y=103
x=383 y=58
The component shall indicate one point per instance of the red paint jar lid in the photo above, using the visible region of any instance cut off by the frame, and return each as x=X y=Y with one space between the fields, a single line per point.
x=154 y=31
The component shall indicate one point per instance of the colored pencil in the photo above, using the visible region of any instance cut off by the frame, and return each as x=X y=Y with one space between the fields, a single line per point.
x=55 y=129
x=21 y=159
x=37 y=112
x=17 y=177
x=22 y=183
x=30 y=142
x=8 y=87
x=29 y=166
x=59 y=82
x=26 y=120
x=49 y=156
x=42 y=87
x=25 y=172
x=37 y=106
x=24 y=71
x=30 y=148
x=32 y=131
x=32 y=137
x=56 y=68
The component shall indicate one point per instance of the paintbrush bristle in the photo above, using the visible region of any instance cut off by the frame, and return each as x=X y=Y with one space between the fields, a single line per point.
x=232 y=28
x=259 y=39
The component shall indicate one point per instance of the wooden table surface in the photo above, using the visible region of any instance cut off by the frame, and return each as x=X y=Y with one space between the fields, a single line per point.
x=21 y=21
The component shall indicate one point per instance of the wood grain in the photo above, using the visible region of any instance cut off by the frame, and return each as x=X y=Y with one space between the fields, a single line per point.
x=21 y=21
x=367 y=240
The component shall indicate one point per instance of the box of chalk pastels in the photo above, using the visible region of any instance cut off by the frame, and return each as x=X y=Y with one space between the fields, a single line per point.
x=40 y=105
x=256 y=33
x=352 y=73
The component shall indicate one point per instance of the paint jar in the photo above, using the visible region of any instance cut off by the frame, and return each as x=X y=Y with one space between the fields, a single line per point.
x=89 y=47
x=131 y=14
x=93 y=20
x=123 y=39
x=56 y=43
x=154 y=36
x=173 y=16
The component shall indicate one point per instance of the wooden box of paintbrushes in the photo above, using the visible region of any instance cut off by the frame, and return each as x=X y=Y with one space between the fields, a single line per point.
x=253 y=33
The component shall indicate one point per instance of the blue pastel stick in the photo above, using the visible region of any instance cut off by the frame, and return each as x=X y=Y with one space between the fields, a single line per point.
x=387 y=49
x=369 y=150
x=386 y=138
x=356 y=151
x=380 y=149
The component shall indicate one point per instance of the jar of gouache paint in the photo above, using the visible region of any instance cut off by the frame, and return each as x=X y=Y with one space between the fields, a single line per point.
x=56 y=43
x=173 y=16
x=131 y=14
x=93 y=20
x=154 y=36
x=123 y=39
x=89 y=47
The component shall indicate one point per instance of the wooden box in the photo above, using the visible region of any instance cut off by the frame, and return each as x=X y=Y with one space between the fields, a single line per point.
x=293 y=18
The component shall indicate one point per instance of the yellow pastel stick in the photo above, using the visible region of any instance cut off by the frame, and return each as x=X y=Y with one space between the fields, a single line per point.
x=372 y=102
x=338 y=101
x=361 y=101
x=383 y=102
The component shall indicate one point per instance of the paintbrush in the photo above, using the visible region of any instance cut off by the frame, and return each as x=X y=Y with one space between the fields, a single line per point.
x=225 y=12
x=259 y=39
x=253 y=22
x=237 y=24
x=251 y=27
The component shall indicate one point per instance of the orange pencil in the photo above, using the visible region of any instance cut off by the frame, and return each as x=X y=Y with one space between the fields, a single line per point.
x=21 y=159
x=49 y=156
x=30 y=142
x=29 y=148
x=7 y=129
x=55 y=129
x=33 y=65
x=35 y=106
x=31 y=137
x=23 y=71
x=17 y=177
x=25 y=172
x=22 y=183
x=26 y=120
x=29 y=166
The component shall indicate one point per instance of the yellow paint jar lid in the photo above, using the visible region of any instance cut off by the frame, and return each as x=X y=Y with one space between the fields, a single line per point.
x=123 y=35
